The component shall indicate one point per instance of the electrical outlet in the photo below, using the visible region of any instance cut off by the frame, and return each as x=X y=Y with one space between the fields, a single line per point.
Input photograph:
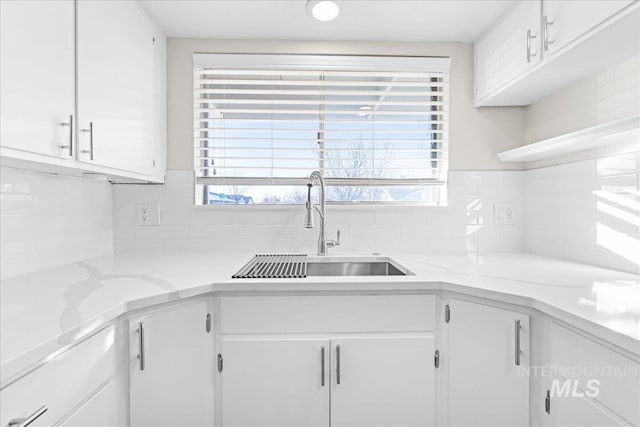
x=503 y=213
x=148 y=214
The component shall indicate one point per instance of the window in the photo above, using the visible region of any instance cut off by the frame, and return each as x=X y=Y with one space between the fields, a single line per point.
x=376 y=128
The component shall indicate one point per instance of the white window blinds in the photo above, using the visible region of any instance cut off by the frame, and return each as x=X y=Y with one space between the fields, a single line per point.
x=375 y=127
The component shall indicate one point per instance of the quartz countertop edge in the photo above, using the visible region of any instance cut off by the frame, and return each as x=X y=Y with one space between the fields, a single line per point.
x=46 y=311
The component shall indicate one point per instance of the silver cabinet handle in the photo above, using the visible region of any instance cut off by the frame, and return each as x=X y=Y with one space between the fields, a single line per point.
x=545 y=32
x=68 y=146
x=547 y=402
x=517 y=341
x=89 y=130
x=141 y=345
x=338 y=364
x=529 y=38
x=24 y=422
x=322 y=366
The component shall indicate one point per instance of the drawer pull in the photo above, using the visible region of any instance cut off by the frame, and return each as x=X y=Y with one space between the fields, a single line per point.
x=24 y=422
x=517 y=343
x=141 y=345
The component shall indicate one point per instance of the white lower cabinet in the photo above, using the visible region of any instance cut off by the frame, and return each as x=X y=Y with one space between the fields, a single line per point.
x=52 y=393
x=286 y=367
x=357 y=381
x=591 y=383
x=171 y=366
x=275 y=382
x=383 y=381
x=488 y=349
x=576 y=411
x=97 y=411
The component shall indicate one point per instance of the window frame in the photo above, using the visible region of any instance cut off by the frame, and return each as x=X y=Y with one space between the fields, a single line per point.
x=386 y=63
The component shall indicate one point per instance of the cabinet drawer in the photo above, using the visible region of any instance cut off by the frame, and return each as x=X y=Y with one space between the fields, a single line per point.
x=61 y=383
x=577 y=358
x=352 y=313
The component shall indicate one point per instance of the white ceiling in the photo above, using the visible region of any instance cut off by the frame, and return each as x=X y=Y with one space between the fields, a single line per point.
x=379 y=20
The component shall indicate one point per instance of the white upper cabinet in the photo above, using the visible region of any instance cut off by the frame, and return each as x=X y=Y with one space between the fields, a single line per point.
x=565 y=21
x=115 y=86
x=83 y=88
x=511 y=47
x=37 y=74
x=541 y=46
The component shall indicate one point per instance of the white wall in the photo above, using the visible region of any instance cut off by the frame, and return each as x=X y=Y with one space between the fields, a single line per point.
x=610 y=94
x=465 y=226
x=584 y=206
x=586 y=211
x=475 y=135
x=49 y=220
x=613 y=93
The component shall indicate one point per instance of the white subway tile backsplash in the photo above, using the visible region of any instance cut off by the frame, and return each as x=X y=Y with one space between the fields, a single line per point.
x=49 y=220
x=556 y=213
x=363 y=229
x=405 y=245
x=391 y=218
x=587 y=211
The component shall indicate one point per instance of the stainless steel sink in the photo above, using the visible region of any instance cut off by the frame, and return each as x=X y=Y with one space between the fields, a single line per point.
x=279 y=266
x=379 y=266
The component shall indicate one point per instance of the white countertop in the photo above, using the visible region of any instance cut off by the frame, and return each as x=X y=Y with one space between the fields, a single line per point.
x=44 y=311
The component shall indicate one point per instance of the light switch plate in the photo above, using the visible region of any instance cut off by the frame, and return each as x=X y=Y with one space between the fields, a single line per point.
x=503 y=213
x=148 y=214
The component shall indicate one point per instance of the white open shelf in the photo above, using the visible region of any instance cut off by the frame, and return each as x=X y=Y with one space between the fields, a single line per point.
x=612 y=133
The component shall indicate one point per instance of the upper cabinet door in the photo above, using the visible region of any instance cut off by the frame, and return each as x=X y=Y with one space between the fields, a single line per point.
x=115 y=86
x=486 y=353
x=509 y=48
x=383 y=381
x=565 y=21
x=37 y=60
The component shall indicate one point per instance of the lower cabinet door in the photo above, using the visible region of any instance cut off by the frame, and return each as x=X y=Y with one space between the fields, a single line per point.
x=98 y=411
x=383 y=381
x=275 y=382
x=576 y=411
x=171 y=367
x=487 y=361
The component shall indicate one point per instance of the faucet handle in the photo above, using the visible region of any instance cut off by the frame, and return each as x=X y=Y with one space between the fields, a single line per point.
x=334 y=243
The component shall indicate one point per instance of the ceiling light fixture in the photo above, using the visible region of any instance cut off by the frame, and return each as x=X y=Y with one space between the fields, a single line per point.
x=323 y=10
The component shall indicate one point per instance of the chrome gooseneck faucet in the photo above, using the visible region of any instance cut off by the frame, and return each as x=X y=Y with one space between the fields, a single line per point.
x=323 y=243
